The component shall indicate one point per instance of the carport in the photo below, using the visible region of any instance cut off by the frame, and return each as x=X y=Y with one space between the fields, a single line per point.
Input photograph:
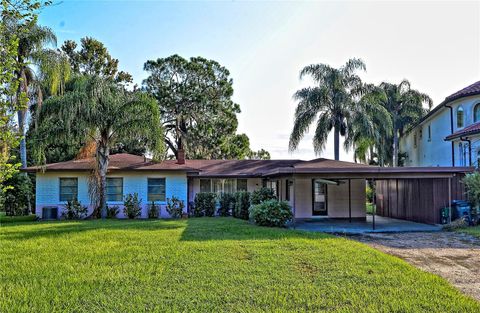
x=414 y=194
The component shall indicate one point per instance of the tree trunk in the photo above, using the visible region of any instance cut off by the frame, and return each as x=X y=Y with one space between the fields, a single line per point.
x=395 y=142
x=103 y=152
x=336 y=140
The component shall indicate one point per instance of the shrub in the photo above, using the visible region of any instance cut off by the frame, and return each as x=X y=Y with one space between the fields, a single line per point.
x=271 y=213
x=472 y=184
x=112 y=211
x=204 y=204
x=456 y=224
x=15 y=200
x=261 y=195
x=132 y=207
x=242 y=203
x=153 y=210
x=74 y=210
x=227 y=204
x=175 y=207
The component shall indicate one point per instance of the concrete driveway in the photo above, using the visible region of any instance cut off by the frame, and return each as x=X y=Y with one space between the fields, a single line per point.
x=382 y=225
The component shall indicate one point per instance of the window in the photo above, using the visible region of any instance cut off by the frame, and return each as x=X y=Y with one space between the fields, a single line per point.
x=68 y=188
x=205 y=185
x=287 y=190
x=319 y=200
x=460 y=117
x=478 y=158
x=476 y=113
x=415 y=140
x=429 y=133
x=156 y=189
x=461 y=153
x=114 y=189
x=421 y=134
x=273 y=184
x=241 y=185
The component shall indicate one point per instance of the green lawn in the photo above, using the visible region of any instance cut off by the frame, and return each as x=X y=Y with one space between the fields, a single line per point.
x=206 y=265
x=475 y=231
x=11 y=219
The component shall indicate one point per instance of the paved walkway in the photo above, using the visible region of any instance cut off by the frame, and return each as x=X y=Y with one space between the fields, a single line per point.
x=382 y=225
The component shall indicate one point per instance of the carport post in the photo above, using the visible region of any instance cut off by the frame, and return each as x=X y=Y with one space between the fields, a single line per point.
x=374 y=203
x=350 y=200
x=294 y=203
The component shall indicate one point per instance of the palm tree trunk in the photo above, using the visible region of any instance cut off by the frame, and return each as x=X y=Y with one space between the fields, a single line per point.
x=395 y=142
x=336 y=140
x=22 y=115
x=103 y=153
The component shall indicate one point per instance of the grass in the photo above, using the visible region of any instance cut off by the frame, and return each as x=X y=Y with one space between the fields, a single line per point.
x=206 y=265
x=15 y=219
x=475 y=231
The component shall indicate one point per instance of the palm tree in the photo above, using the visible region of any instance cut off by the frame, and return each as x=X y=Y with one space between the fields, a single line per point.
x=30 y=46
x=107 y=114
x=370 y=125
x=332 y=101
x=406 y=107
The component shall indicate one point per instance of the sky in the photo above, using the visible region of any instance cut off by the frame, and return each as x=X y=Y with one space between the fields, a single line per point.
x=435 y=45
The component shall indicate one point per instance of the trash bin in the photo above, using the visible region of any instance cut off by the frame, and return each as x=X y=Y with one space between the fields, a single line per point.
x=445 y=215
x=461 y=208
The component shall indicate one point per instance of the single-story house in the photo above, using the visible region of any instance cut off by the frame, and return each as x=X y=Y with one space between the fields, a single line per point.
x=316 y=188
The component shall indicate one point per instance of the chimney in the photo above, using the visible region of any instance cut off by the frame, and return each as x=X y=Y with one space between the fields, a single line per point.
x=181 y=156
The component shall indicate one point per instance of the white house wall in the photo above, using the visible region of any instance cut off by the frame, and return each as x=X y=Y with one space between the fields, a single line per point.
x=438 y=152
x=337 y=198
x=48 y=189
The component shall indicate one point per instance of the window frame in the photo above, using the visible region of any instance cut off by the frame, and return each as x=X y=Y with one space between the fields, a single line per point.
x=462 y=119
x=475 y=108
x=246 y=184
x=149 y=198
x=60 y=189
x=121 y=193
x=429 y=134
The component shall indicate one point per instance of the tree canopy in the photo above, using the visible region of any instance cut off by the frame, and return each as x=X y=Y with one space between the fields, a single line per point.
x=198 y=113
x=93 y=58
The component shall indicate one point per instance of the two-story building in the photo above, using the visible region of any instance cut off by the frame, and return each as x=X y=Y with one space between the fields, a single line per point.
x=449 y=135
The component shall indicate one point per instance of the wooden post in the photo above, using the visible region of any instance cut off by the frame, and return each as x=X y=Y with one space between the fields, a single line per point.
x=294 y=203
x=374 y=204
x=450 y=199
x=350 y=200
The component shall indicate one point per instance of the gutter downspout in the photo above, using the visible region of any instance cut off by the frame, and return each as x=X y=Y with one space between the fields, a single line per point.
x=469 y=149
x=451 y=131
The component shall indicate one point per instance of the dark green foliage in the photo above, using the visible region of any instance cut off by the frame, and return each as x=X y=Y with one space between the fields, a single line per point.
x=93 y=58
x=271 y=213
x=74 y=210
x=112 y=211
x=198 y=114
x=175 y=207
x=153 y=210
x=242 y=203
x=132 y=208
x=205 y=204
x=262 y=194
x=472 y=184
x=227 y=204
x=14 y=200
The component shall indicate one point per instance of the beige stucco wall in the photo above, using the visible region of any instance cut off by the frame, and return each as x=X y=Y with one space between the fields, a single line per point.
x=337 y=198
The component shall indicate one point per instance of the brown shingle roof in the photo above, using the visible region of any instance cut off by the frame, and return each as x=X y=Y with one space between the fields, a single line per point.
x=121 y=161
x=237 y=168
x=469 y=130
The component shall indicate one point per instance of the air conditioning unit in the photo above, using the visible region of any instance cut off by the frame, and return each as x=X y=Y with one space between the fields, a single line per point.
x=50 y=213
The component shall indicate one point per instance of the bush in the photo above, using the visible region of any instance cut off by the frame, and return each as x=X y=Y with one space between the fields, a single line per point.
x=456 y=224
x=175 y=207
x=271 y=213
x=472 y=184
x=227 y=204
x=204 y=204
x=153 y=210
x=112 y=211
x=242 y=203
x=15 y=200
x=261 y=195
x=74 y=210
x=132 y=208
